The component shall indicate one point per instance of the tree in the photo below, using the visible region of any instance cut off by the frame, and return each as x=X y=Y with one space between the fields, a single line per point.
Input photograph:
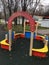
x=26 y=3
x=15 y=9
x=33 y=5
x=24 y=8
x=3 y=3
x=12 y=6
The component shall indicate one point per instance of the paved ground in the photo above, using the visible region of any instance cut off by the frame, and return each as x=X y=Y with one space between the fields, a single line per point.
x=2 y=32
x=19 y=54
x=44 y=31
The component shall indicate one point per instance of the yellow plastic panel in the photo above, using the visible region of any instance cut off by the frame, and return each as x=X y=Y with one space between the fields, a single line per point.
x=44 y=50
x=4 y=42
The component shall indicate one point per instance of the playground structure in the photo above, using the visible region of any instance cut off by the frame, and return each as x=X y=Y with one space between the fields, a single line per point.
x=32 y=34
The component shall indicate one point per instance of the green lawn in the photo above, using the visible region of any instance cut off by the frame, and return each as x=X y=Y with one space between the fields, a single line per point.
x=19 y=28
x=0 y=21
x=42 y=27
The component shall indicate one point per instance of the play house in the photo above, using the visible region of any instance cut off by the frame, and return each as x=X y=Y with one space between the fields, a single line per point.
x=32 y=34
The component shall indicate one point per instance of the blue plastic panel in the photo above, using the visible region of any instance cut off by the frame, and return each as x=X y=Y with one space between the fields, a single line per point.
x=27 y=34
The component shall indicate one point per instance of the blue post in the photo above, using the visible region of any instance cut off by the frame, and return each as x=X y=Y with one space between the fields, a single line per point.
x=12 y=35
x=34 y=35
x=46 y=37
x=27 y=34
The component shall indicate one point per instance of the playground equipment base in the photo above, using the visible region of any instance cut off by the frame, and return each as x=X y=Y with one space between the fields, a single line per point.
x=36 y=52
x=39 y=54
x=4 y=44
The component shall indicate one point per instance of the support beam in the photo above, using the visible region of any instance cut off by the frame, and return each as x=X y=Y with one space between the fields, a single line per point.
x=24 y=27
x=10 y=39
x=6 y=37
x=37 y=28
x=31 y=44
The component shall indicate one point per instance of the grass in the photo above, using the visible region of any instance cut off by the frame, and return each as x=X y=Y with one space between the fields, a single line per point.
x=27 y=28
x=0 y=21
x=19 y=28
x=42 y=27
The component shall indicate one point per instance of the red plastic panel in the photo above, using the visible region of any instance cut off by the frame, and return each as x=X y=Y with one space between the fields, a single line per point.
x=5 y=47
x=7 y=41
x=24 y=14
x=16 y=36
x=38 y=54
x=35 y=22
x=39 y=38
x=27 y=23
x=22 y=36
